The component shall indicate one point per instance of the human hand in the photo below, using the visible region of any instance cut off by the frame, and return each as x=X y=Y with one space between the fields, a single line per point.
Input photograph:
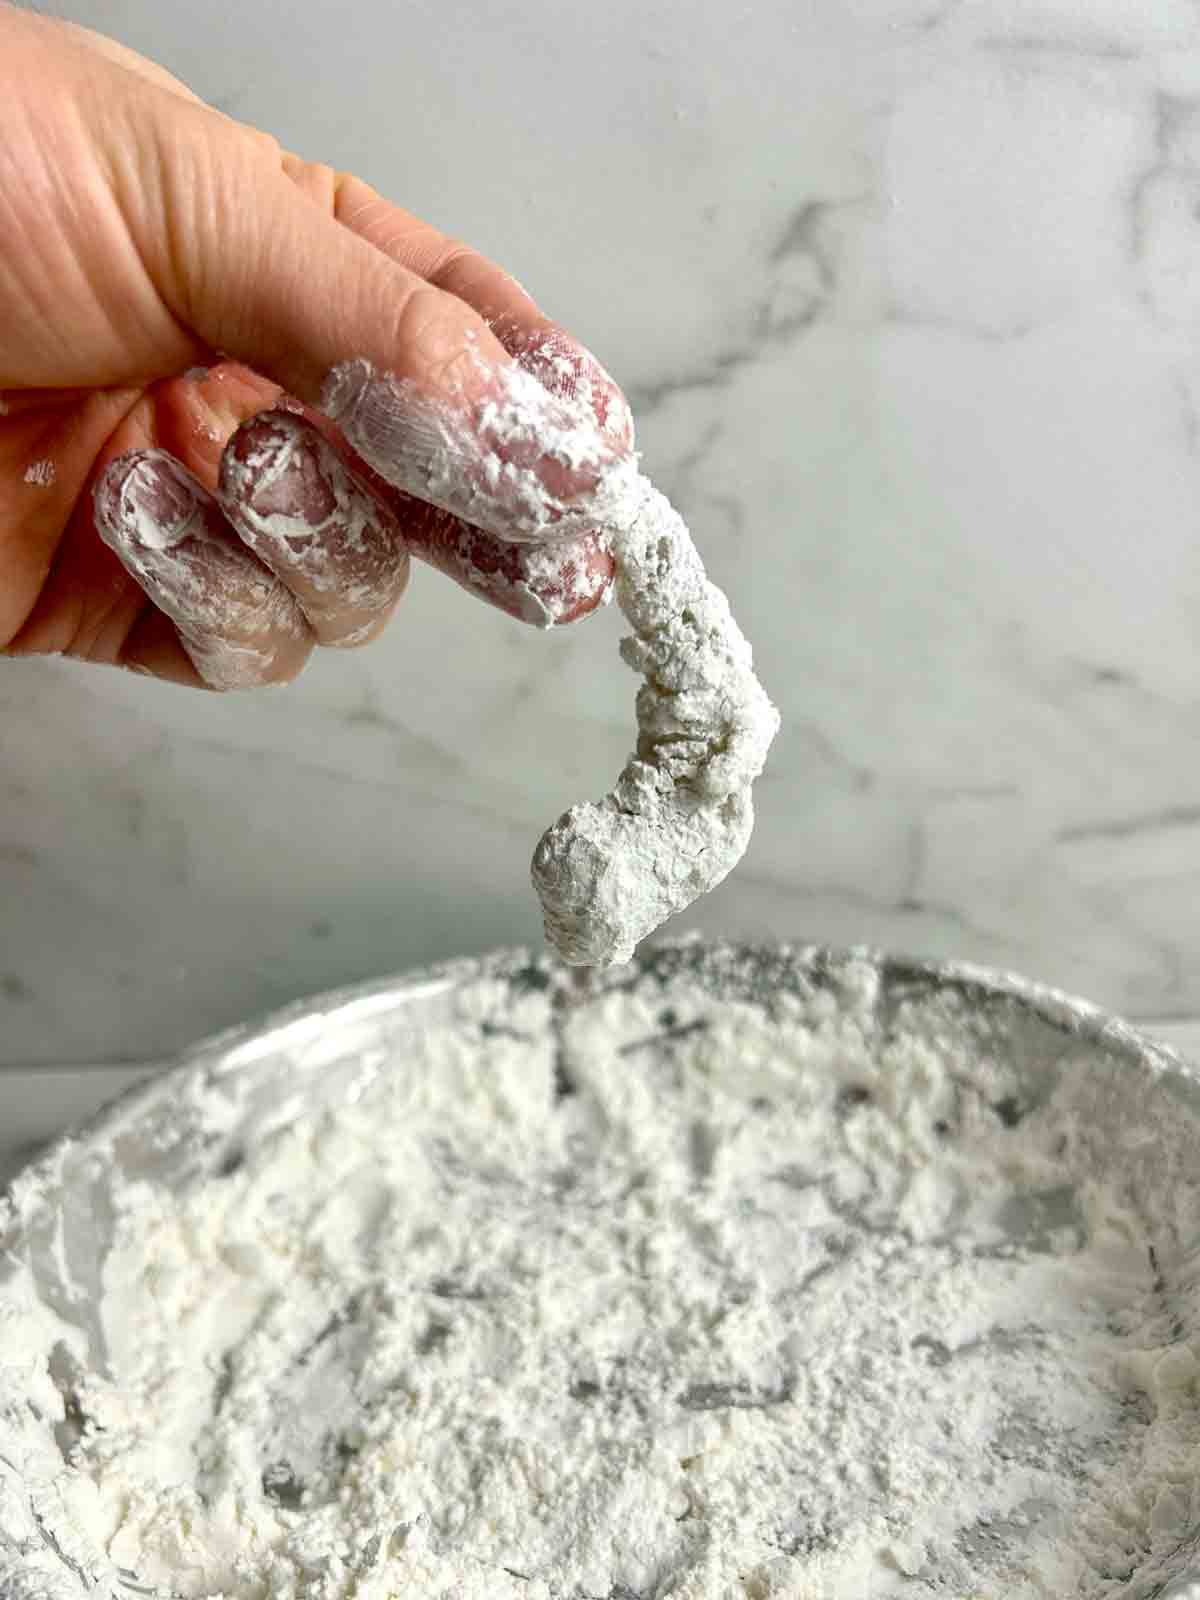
x=234 y=524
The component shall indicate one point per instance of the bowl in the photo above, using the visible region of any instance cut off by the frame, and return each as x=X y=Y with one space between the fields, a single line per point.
x=848 y=1274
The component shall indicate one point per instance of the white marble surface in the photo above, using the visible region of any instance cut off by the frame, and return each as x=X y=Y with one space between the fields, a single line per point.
x=906 y=294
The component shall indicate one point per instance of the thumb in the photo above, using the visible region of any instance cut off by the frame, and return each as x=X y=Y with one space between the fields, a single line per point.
x=270 y=278
x=260 y=270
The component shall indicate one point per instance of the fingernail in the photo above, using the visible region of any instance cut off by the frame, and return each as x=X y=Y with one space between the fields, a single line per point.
x=145 y=501
x=514 y=459
x=565 y=583
x=300 y=509
x=232 y=618
x=281 y=472
x=546 y=586
x=568 y=369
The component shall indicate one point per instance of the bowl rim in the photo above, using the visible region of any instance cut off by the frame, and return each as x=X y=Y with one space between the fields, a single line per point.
x=225 y=1050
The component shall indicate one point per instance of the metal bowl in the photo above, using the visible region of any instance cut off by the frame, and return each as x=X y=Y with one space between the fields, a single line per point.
x=56 y=1218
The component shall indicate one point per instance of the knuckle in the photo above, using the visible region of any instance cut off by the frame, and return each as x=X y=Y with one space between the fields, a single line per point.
x=431 y=332
x=319 y=181
x=454 y=263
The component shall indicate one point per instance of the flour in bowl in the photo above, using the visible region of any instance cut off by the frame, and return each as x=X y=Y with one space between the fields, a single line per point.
x=647 y=1296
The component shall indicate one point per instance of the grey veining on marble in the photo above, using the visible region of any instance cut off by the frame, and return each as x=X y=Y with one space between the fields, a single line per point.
x=907 y=297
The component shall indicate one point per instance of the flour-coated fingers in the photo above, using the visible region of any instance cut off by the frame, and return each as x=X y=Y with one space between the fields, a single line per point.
x=240 y=626
x=296 y=503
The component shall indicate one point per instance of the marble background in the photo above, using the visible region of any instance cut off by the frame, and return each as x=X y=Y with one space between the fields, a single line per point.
x=906 y=294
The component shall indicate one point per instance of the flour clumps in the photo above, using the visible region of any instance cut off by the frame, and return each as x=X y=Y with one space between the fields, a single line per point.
x=680 y=815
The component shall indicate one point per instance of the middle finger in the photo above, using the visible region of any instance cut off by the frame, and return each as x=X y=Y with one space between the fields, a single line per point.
x=307 y=517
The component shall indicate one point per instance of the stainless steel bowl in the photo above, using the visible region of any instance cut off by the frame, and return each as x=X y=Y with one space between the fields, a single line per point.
x=56 y=1217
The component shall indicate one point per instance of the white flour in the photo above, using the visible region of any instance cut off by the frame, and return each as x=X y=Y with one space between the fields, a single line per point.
x=680 y=815
x=521 y=463
x=169 y=534
x=324 y=528
x=649 y=1303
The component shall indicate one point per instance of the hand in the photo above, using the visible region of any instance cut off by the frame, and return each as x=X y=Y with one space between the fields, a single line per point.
x=175 y=293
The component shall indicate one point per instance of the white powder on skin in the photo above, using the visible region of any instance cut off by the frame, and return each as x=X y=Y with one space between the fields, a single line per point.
x=551 y=582
x=680 y=815
x=229 y=611
x=812 y=1307
x=302 y=513
x=514 y=462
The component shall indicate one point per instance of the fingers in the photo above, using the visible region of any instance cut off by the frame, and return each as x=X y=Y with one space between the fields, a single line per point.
x=237 y=623
x=335 y=545
x=338 y=537
x=197 y=416
x=296 y=547
x=547 y=586
x=519 y=463
x=341 y=543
